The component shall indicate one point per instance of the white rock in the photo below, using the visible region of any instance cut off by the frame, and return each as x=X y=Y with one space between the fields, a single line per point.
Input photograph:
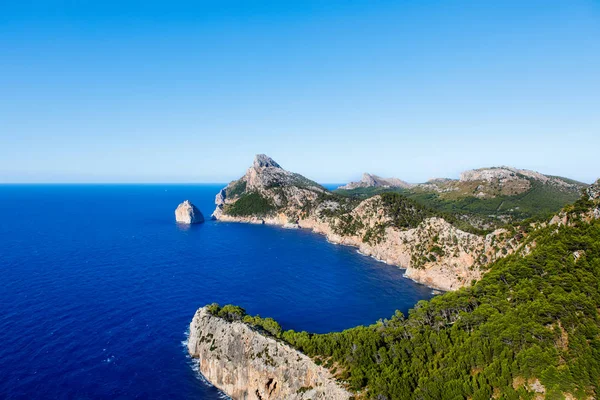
x=187 y=213
x=246 y=364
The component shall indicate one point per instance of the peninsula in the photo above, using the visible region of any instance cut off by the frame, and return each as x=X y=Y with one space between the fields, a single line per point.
x=442 y=249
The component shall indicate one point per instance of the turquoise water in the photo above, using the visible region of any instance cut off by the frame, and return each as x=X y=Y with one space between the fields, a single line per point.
x=100 y=284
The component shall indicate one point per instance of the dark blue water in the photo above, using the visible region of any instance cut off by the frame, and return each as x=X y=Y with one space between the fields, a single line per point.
x=99 y=285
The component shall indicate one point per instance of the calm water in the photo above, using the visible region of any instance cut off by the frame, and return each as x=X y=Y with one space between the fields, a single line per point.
x=99 y=285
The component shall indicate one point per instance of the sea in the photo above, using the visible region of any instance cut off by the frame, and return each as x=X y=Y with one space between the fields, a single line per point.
x=98 y=285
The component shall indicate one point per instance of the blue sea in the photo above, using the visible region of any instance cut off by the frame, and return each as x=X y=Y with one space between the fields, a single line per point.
x=99 y=285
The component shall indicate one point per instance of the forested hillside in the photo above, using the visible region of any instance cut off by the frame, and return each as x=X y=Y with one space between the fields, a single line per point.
x=530 y=328
x=489 y=202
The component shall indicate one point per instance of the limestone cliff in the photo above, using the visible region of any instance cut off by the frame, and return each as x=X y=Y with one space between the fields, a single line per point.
x=432 y=251
x=264 y=188
x=246 y=364
x=392 y=229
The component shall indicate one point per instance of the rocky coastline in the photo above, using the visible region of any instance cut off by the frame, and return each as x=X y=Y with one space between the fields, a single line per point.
x=247 y=364
x=447 y=274
x=433 y=252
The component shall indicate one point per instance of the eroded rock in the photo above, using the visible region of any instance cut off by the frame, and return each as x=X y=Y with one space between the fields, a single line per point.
x=246 y=364
x=187 y=213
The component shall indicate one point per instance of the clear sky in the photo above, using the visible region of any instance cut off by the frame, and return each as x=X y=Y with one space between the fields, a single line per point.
x=172 y=91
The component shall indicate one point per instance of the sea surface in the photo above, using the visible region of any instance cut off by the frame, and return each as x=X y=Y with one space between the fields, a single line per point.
x=99 y=285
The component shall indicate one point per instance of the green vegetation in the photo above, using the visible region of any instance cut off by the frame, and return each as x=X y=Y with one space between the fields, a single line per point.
x=233 y=313
x=236 y=189
x=375 y=234
x=229 y=312
x=407 y=213
x=538 y=202
x=347 y=225
x=404 y=213
x=250 y=204
x=533 y=317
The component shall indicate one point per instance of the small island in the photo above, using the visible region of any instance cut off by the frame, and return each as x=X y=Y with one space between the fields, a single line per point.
x=187 y=213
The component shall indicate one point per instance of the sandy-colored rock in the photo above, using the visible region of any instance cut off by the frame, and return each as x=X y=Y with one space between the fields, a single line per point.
x=246 y=364
x=187 y=213
x=369 y=180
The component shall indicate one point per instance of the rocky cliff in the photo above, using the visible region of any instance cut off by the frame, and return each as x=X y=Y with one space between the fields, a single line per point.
x=246 y=364
x=388 y=227
x=264 y=189
x=374 y=181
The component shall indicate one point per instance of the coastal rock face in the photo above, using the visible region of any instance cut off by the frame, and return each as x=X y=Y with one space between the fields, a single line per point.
x=246 y=364
x=272 y=185
x=187 y=213
x=432 y=251
x=369 y=180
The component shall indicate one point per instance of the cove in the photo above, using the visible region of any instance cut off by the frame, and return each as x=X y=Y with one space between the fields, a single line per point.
x=100 y=284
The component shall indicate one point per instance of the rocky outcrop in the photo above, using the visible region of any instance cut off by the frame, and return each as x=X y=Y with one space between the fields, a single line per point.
x=278 y=187
x=246 y=364
x=593 y=191
x=187 y=213
x=434 y=252
x=369 y=180
x=588 y=209
x=498 y=181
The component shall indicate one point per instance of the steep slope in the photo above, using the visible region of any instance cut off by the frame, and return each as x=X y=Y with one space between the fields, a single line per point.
x=246 y=363
x=434 y=248
x=374 y=181
x=264 y=191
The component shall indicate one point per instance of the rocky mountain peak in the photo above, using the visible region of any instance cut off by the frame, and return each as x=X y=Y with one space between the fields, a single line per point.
x=264 y=161
x=370 y=180
x=496 y=173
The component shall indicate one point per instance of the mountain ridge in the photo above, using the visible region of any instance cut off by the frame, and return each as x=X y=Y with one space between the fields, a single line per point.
x=371 y=180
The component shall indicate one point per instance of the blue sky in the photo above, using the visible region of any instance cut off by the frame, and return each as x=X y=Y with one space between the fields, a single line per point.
x=149 y=91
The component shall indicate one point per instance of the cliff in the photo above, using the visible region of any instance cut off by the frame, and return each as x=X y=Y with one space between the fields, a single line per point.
x=246 y=364
x=265 y=188
x=389 y=227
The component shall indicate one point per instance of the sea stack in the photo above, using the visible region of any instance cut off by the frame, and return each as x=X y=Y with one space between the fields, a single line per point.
x=187 y=213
